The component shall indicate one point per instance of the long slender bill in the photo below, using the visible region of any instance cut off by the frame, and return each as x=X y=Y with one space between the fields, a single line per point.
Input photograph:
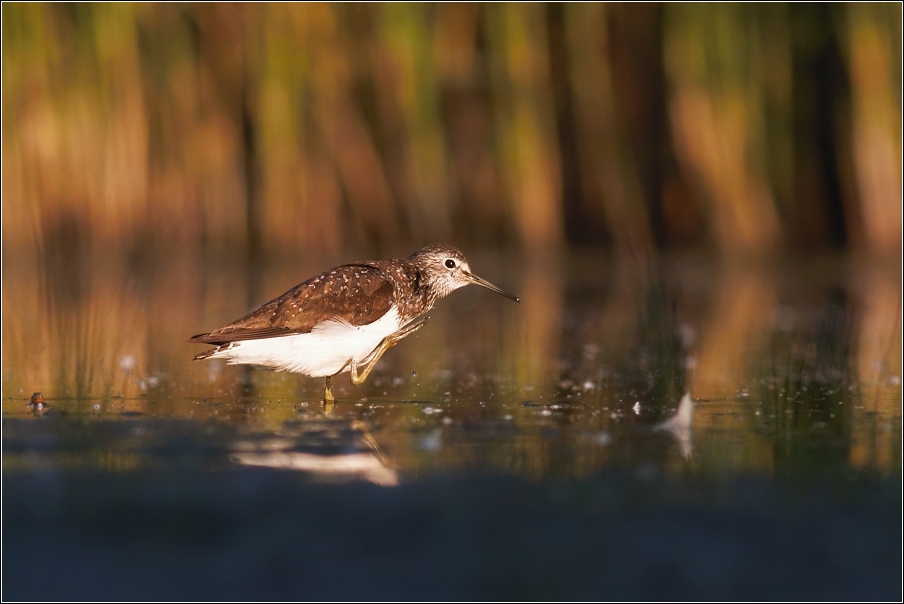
x=477 y=280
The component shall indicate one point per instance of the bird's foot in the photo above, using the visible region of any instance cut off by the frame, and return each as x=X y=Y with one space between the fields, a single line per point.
x=328 y=400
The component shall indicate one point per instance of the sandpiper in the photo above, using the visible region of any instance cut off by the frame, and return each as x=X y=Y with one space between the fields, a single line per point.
x=346 y=318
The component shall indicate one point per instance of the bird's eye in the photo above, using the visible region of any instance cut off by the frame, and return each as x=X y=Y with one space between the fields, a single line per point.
x=450 y=263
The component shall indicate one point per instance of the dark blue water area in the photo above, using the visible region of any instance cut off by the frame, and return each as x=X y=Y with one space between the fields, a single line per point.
x=258 y=534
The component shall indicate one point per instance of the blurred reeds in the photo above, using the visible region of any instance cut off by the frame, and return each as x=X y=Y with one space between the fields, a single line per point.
x=300 y=128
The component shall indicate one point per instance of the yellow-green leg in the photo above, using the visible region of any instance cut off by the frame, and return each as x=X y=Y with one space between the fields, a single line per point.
x=387 y=343
x=328 y=401
x=372 y=443
x=328 y=391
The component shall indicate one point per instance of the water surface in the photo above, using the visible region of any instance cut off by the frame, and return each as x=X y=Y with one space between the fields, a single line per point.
x=544 y=423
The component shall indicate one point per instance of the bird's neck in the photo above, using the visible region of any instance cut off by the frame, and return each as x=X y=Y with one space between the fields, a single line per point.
x=422 y=293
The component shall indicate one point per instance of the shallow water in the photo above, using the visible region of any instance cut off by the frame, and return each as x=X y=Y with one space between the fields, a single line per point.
x=561 y=413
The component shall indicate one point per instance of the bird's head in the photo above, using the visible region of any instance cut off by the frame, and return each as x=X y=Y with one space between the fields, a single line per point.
x=447 y=269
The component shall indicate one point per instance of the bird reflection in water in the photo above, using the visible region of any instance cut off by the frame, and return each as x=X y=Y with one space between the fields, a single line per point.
x=333 y=451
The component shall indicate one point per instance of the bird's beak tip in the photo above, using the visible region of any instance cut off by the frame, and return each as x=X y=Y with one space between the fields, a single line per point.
x=484 y=283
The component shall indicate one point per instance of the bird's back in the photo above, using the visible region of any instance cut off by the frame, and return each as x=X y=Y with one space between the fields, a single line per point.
x=357 y=294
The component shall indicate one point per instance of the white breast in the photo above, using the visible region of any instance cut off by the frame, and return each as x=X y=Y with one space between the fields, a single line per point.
x=327 y=350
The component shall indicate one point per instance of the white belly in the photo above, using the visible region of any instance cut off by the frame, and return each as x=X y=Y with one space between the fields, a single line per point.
x=327 y=350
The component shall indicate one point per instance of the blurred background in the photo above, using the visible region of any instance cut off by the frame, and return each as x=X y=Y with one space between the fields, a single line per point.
x=699 y=198
x=322 y=128
x=168 y=167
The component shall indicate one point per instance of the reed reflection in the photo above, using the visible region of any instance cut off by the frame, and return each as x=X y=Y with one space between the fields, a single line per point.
x=72 y=324
x=535 y=339
x=876 y=421
x=788 y=373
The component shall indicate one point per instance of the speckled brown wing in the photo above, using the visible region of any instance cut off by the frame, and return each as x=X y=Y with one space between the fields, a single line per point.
x=356 y=293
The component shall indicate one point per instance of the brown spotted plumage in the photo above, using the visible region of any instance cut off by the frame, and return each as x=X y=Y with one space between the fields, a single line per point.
x=345 y=318
x=357 y=293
